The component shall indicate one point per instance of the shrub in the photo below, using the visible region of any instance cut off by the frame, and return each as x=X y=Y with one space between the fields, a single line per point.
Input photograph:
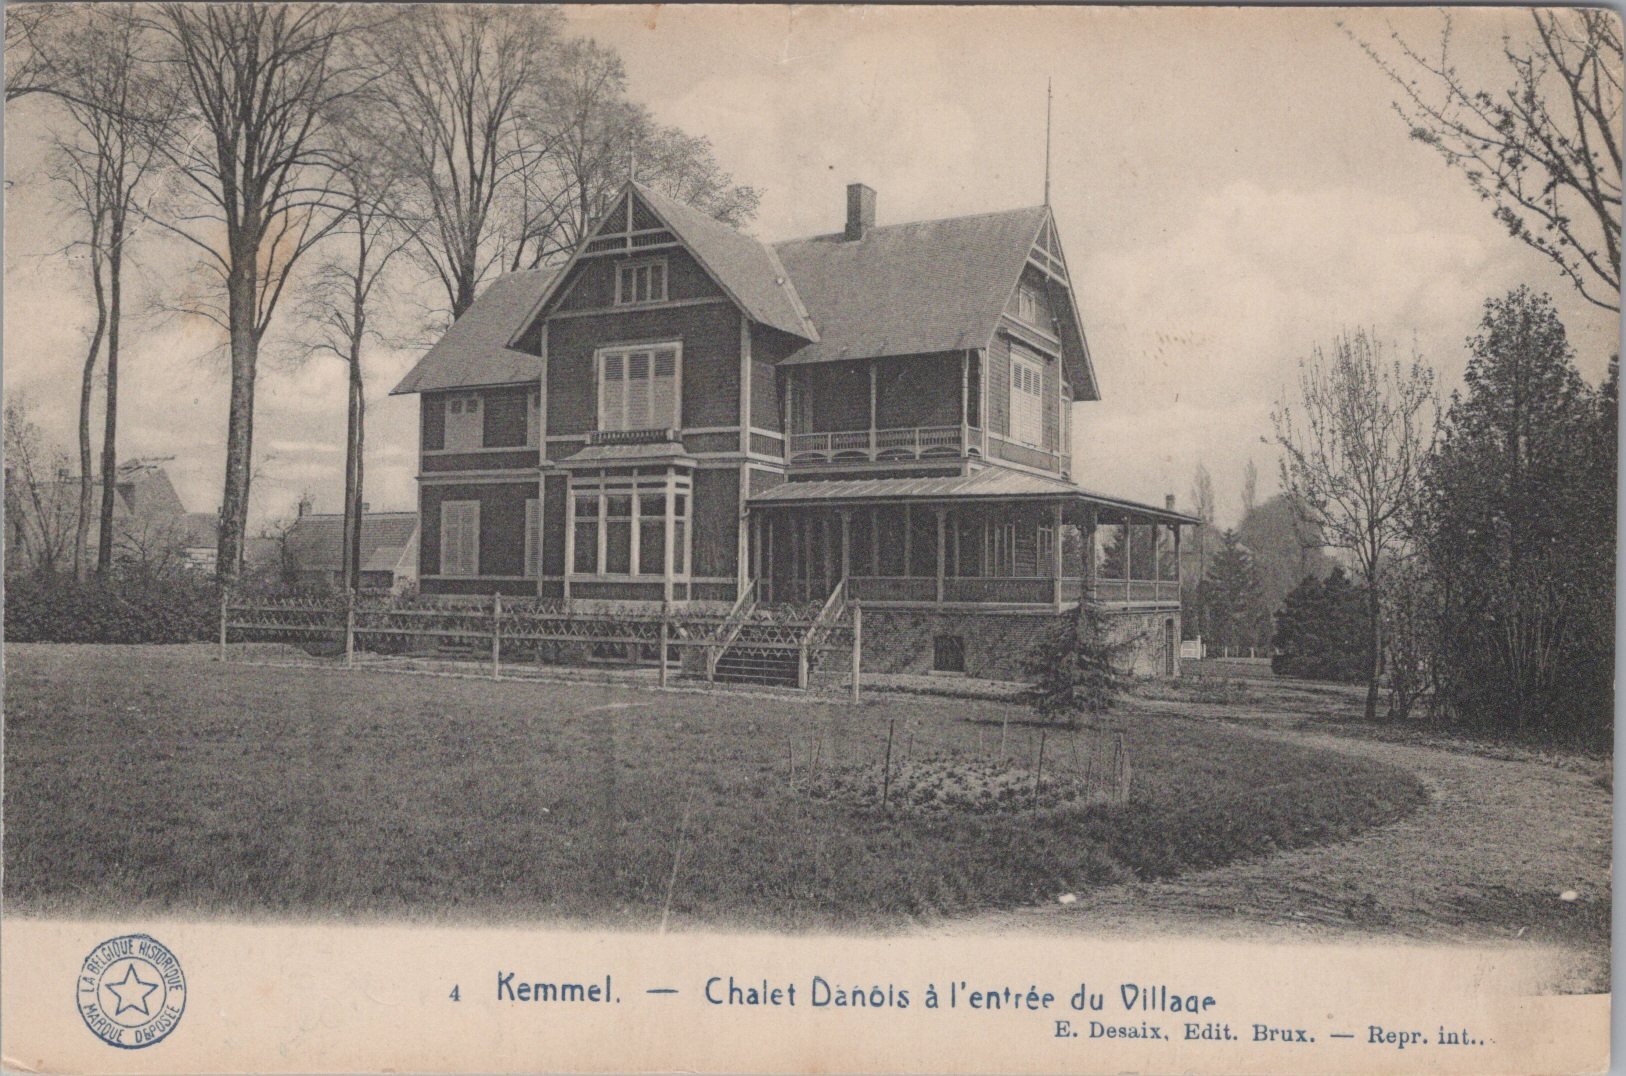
x=1076 y=668
x=1319 y=631
x=126 y=607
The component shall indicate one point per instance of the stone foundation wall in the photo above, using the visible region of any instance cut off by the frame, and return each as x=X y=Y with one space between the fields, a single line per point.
x=996 y=644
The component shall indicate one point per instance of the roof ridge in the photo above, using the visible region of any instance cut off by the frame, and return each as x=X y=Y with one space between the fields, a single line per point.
x=913 y=223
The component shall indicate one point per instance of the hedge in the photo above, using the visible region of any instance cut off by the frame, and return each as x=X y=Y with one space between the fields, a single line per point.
x=124 y=608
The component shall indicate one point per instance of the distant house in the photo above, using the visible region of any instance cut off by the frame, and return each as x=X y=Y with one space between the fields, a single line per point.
x=313 y=551
x=151 y=526
x=684 y=415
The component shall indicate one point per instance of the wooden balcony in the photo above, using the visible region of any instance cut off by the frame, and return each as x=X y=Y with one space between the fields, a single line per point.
x=906 y=443
x=991 y=590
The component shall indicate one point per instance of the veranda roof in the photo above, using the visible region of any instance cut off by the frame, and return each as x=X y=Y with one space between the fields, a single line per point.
x=990 y=484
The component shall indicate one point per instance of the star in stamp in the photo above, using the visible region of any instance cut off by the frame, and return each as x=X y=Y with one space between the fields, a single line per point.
x=131 y=991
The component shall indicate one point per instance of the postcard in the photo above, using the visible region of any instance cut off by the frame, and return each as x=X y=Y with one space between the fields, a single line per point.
x=803 y=539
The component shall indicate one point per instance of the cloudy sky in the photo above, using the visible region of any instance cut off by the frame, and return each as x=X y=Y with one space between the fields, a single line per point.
x=1231 y=186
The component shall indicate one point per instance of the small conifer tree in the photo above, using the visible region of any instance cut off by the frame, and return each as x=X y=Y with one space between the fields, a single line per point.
x=1077 y=668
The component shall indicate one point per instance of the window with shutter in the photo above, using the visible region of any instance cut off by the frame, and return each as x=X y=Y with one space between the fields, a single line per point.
x=460 y=538
x=640 y=388
x=1027 y=398
x=464 y=424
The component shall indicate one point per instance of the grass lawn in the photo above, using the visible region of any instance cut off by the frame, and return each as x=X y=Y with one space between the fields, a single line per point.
x=150 y=779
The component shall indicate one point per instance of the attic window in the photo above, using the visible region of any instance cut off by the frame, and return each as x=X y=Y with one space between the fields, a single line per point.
x=465 y=429
x=640 y=282
x=1027 y=305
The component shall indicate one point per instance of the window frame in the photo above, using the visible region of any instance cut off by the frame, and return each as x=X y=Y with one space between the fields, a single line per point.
x=676 y=491
x=445 y=560
x=1027 y=305
x=626 y=270
x=1032 y=365
x=625 y=352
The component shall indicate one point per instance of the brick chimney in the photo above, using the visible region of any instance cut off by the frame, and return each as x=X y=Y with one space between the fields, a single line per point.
x=1168 y=501
x=305 y=505
x=860 y=210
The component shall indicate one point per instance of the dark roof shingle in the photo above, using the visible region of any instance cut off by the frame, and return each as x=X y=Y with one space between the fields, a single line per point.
x=475 y=349
x=907 y=289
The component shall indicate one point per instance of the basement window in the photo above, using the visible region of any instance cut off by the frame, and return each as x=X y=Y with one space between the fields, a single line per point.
x=948 y=654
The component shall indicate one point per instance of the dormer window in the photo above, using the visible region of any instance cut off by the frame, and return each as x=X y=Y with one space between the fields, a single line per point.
x=465 y=427
x=640 y=282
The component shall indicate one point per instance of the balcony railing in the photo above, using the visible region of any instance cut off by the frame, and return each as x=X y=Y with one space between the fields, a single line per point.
x=1006 y=590
x=911 y=442
x=1137 y=591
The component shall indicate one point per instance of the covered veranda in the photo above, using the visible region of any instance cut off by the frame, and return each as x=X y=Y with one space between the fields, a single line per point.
x=995 y=537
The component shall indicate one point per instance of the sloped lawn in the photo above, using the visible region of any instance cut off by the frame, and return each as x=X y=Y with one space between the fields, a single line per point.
x=150 y=779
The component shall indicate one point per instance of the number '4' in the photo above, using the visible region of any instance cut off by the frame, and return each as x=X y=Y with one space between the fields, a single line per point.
x=454 y=993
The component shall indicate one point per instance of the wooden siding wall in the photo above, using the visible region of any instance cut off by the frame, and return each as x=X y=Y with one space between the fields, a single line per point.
x=504 y=412
x=554 y=489
x=918 y=390
x=711 y=362
x=715 y=515
x=594 y=278
x=432 y=415
x=999 y=386
x=764 y=396
x=502 y=525
x=1052 y=395
x=833 y=395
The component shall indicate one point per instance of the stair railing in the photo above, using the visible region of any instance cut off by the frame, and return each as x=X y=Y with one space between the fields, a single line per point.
x=729 y=629
x=835 y=606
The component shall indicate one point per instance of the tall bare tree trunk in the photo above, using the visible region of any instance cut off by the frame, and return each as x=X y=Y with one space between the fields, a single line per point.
x=110 y=426
x=87 y=463
x=245 y=346
x=353 y=473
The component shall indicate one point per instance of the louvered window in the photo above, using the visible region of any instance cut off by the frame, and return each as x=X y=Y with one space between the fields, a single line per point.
x=1027 y=399
x=533 y=537
x=639 y=388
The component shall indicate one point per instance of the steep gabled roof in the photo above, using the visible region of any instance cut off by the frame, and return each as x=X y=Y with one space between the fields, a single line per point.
x=316 y=542
x=904 y=289
x=475 y=349
x=748 y=270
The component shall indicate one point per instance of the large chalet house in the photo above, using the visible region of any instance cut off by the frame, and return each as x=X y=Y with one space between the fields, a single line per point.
x=684 y=414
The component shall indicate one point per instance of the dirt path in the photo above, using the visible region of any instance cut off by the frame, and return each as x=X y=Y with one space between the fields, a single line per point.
x=1487 y=859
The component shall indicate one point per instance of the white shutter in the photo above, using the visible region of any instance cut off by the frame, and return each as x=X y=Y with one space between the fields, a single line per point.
x=663 y=390
x=612 y=405
x=638 y=391
x=533 y=537
x=460 y=538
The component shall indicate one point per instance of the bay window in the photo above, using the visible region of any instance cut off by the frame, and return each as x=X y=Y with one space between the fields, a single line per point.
x=622 y=524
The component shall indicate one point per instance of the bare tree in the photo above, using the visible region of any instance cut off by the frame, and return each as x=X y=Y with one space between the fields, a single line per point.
x=339 y=303
x=28 y=68
x=119 y=114
x=40 y=512
x=260 y=83
x=1545 y=149
x=1351 y=457
x=458 y=98
x=1250 y=488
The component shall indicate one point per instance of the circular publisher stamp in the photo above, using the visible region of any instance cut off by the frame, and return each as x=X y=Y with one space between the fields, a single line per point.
x=131 y=991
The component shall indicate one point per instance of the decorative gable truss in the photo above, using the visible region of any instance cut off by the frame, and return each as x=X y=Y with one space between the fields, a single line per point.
x=1046 y=258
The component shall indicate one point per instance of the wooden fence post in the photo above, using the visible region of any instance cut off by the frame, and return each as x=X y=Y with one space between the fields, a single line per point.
x=225 y=598
x=496 y=636
x=858 y=647
x=349 y=629
x=663 y=647
x=801 y=665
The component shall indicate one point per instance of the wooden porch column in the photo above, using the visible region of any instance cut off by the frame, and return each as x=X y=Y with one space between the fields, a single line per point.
x=1179 y=572
x=668 y=539
x=874 y=373
x=908 y=534
x=965 y=403
x=846 y=542
x=1055 y=554
x=940 y=513
x=757 y=571
x=875 y=542
x=795 y=537
x=1087 y=545
x=824 y=540
x=570 y=537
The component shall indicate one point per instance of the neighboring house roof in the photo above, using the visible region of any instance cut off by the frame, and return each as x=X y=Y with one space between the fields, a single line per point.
x=904 y=289
x=747 y=269
x=991 y=483
x=315 y=543
x=475 y=349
